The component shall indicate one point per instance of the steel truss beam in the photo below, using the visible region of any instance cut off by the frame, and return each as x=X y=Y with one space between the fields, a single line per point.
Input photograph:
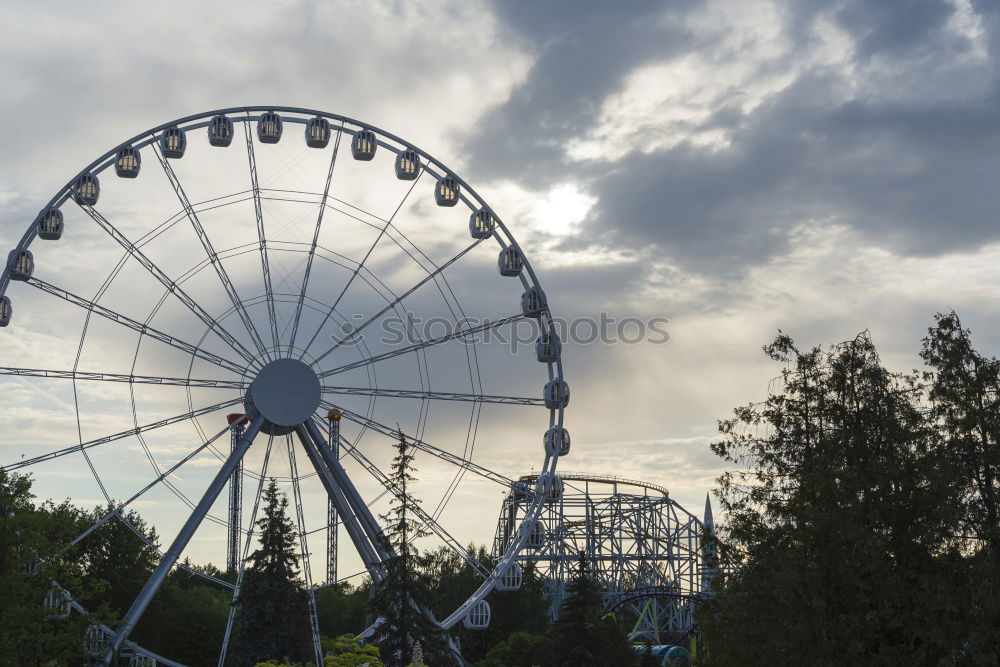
x=123 y=434
x=171 y=555
x=135 y=325
x=423 y=446
x=261 y=237
x=169 y=284
x=370 y=556
x=131 y=379
x=213 y=256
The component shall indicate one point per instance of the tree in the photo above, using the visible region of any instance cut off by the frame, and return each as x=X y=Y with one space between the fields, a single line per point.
x=523 y=610
x=273 y=620
x=341 y=608
x=836 y=509
x=115 y=554
x=348 y=651
x=518 y=650
x=580 y=637
x=401 y=598
x=34 y=564
x=965 y=404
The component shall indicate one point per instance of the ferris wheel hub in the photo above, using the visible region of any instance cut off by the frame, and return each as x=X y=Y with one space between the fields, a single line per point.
x=286 y=392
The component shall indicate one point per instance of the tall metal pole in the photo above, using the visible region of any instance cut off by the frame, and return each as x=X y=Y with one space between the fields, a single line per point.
x=237 y=423
x=171 y=555
x=332 y=520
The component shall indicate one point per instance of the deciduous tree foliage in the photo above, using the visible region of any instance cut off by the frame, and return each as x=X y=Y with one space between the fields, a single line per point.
x=964 y=390
x=32 y=559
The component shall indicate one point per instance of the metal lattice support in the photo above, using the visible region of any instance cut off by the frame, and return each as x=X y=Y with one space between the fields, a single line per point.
x=646 y=550
x=332 y=520
x=238 y=423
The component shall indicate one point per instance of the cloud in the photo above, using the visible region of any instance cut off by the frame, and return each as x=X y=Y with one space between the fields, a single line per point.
x=716 y=132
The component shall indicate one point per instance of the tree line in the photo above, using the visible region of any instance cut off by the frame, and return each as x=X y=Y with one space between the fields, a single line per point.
x=861 y=514
x=862 y=509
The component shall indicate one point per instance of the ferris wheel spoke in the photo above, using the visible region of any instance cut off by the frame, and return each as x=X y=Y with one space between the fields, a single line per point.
x=421 y=445
x=428 y=520
x=430 y=276
x=135 y=325
x=293 y=471
x=261 y=237
x=360 y=266
x=461 y=333
x=170 y=285
x=130 y=379
x=123 y=434
x=213 y=256
x=433 y=395
x=315 y=240
x=246 y=554
x=162 y=476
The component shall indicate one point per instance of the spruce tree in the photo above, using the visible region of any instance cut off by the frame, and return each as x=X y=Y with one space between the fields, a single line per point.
x=581 y=637
x=401 y=597
x=273 y=619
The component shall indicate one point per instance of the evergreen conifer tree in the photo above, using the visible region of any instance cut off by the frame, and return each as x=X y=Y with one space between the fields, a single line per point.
x=580 y=637
x=273 y=617
x=401 y=597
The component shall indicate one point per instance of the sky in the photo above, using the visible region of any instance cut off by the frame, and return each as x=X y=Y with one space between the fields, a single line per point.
x=736 y=167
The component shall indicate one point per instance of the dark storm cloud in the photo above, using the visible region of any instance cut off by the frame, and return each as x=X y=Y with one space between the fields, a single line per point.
x=583 y=49
x=900 y=142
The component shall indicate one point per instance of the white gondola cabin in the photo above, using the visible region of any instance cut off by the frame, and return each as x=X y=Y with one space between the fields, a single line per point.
x=269 y=128
x=173 y=142
x=20 y=264
x=510 y=262
x=56 y=604
x=556 y=394
x=50 y=227
x=407 y=165
x=510 y=579
x=6 y=311
x=556 y=441
x=548 y=347
x=482 y=223
x=317 y=132
x=95 y=642
x=127 y=162
x=363 y=145
x=447 y=191
x=549 y=485
x=86 y=190
x=533 y=302
x=536 y=536
x=478 y=617
x=220 y=131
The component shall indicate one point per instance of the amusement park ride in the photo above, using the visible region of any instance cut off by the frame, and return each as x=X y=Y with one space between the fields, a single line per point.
x=274 y=336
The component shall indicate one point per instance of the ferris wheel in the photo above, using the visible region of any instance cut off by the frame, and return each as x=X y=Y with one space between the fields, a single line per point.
x=202 y=316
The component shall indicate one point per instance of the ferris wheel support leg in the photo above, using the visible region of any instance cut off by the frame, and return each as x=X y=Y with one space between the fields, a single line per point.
x=354 y=500
x=183 y=537
x=365 y=549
